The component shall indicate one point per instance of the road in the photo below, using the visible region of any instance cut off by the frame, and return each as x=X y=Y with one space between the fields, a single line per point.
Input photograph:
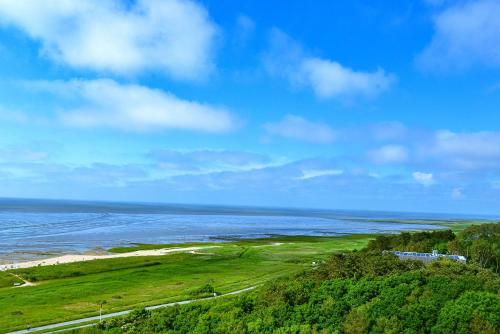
x=116 y=314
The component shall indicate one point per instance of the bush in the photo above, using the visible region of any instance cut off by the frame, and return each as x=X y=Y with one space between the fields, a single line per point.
x=354 y=292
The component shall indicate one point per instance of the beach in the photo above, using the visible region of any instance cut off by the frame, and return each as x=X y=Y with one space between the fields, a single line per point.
x=71 y=258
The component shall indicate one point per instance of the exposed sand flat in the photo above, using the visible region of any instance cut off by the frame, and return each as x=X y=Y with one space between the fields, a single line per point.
x=81 y=257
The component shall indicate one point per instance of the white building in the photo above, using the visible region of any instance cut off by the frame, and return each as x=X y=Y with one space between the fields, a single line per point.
x=426 y=257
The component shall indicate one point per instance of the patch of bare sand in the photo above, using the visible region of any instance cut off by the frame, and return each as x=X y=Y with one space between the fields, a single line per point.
x=90 y=257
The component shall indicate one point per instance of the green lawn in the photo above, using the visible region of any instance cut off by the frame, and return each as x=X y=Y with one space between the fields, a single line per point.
x=72 y=291
x=8 y=280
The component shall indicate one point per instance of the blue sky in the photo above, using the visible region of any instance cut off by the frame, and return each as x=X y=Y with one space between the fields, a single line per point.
x=345 y=105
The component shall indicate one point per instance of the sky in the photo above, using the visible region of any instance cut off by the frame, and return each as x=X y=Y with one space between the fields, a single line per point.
x=373 y=105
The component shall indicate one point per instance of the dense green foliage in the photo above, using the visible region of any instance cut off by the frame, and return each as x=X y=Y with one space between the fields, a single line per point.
x=353 y=292
x=479 y=243
x=413 y=242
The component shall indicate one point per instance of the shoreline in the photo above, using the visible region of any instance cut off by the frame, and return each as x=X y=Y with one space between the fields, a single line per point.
x=7 y=259
x=72 y=258
x=100 y=253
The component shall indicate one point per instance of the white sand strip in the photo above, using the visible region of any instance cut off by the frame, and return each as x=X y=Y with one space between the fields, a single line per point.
x=80 y=257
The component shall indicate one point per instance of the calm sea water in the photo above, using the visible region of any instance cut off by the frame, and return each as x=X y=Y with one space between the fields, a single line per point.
x=35 y=228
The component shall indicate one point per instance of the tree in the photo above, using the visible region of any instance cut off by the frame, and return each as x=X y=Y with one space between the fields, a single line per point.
x=478 y=311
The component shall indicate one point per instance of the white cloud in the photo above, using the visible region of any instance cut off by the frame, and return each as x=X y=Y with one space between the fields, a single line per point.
x=327 y=78
x=465 y=34
x=313 y=173
x=473 y=144
x=296 y=127
x=389 y=154
x=175 y=37
x=469 y=150
x=106 y=103
x=330 y=79
x=425 y=179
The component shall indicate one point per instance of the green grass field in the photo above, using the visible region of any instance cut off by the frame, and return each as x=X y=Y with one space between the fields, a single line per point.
x=8 y=280
x=73 y=291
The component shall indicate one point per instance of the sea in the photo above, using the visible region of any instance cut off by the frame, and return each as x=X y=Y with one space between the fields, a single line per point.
x=33 y=228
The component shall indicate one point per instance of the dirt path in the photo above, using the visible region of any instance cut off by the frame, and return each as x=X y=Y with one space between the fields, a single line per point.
x=25 y=282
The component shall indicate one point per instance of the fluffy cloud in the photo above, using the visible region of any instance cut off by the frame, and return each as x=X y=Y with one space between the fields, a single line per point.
x=389 y=154
x=425 y=179
x=296 y=127
x=106 y=103
x=175 y=37
x=474 y=144
x=467 y=150
x=443 y=149
x=330 y=79
x=465 y=34
x=327 y=78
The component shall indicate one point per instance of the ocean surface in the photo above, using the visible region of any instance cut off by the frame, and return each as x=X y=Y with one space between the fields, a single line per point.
x=32 y=229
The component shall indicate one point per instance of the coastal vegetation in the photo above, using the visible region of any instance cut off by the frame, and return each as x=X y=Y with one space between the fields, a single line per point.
x=73 y=291
x=361 y=291
x=479 y=243
x=8 y=280
x=305 y=284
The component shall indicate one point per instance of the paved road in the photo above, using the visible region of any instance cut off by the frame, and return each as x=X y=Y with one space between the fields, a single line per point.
x=115 y=314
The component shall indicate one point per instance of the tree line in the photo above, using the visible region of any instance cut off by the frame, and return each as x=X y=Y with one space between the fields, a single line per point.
x=356 y=292
x=480 y=244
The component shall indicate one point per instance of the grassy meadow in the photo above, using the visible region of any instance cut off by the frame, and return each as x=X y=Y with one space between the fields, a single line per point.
x=8 y=280
x=73 y=291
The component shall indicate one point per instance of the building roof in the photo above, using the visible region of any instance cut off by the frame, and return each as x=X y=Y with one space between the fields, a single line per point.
x=433 y=255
